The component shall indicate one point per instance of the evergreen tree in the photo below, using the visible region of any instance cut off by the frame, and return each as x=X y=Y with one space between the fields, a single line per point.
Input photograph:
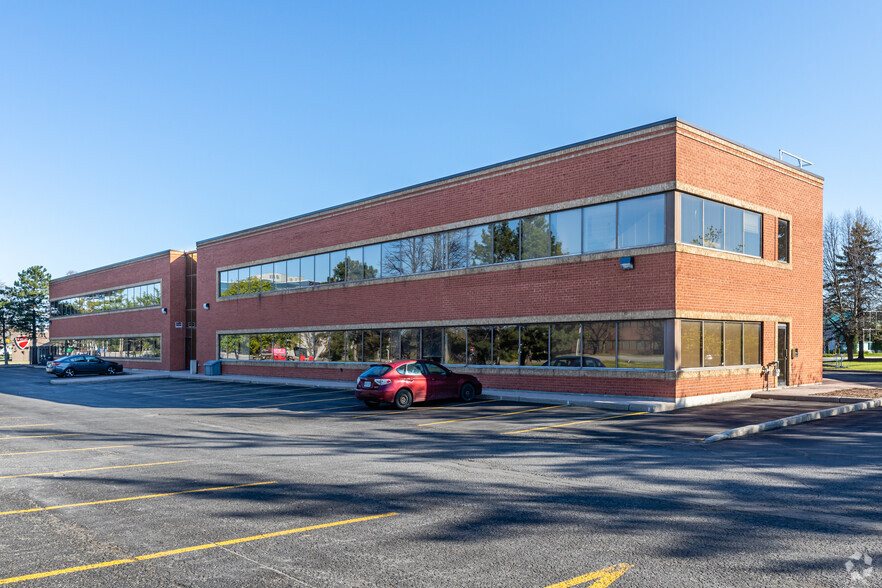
x=30 y=304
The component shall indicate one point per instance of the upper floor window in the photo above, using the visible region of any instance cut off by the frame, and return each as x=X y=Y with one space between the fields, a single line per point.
x=624 y=224
x=118 y=299
x=783 y=240
x=719 y=226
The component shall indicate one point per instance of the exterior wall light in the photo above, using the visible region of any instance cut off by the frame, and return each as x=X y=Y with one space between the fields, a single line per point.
x=164 y=310
x=206 y=306
x=627 y=263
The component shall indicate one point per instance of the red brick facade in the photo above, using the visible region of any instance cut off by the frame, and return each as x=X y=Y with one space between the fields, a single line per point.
x=670 y=282
x=167 y=268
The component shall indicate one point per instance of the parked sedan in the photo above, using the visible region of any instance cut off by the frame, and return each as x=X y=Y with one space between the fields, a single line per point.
x=70 y=366
x=401 y=383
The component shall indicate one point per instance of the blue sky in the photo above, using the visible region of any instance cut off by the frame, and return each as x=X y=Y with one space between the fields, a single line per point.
x=128 y=128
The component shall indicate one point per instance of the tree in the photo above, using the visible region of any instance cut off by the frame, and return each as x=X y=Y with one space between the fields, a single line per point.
x=29 y=304
x=5 y=319
x=852 y=275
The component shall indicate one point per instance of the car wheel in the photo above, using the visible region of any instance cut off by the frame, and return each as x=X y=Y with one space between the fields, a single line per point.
x=372 y=403
x=69 y=373
x=111 y=370
x=403 y=399
x=467 y=393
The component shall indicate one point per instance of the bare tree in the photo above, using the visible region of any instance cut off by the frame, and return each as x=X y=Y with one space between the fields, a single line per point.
x=852 y=272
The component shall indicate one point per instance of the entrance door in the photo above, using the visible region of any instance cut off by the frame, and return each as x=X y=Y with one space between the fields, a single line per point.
x=783 y=353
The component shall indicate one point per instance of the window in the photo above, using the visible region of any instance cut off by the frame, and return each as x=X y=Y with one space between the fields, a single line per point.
x=307 y=271
x=138 y=348
x=641 y=344
x=111 y=300
x=372 y=345
x=372 y=261
x=566 y=232
x=566 y=345
x=410 y=343
x=719 y=226
x=535 y=237
x=715 y=343
x=433 y=256
x=534 y=345
x=505 y=345
x=783 y=240
x=337 y=346
x=337 y=261
x=479 y=340
x=457 y=248
x=599 y=227
x=432 y=343
x=480 y=245
x=641 y=221
x=455 y=345
x=390 y=346
x=353 y=346
x=690 y=344
x=599 y=344
x=322 y=268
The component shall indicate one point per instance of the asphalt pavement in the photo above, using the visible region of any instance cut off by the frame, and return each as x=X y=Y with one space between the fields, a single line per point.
x=199 y=483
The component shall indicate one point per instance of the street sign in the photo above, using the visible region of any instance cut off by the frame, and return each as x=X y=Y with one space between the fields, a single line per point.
x=22 y=342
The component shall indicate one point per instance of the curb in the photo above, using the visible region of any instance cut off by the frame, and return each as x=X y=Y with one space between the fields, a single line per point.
x=792 y=420
x=812 y=398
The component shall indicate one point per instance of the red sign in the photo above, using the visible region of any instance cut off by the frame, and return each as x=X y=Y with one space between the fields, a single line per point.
x=22 y=342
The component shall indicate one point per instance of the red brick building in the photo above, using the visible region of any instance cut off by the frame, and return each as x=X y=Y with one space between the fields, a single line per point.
x=662 y=261
x=134 y=311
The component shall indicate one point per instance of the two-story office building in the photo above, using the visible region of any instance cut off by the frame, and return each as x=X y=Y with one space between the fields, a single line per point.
x=662 y=261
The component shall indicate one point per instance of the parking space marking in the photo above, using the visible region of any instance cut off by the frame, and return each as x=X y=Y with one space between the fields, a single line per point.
x=130 y=498
x=618 y=416
x=196 y=396
x=23 y=426
x=290 y=396
x=400 y=412
x=65 y=450
x=303 y=402
x=41 y=436
x=490 y=416
x=135 y=465
x=138 y=558
x=604 y=577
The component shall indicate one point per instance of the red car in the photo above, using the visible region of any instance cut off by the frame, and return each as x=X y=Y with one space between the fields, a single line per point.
x=401 y=383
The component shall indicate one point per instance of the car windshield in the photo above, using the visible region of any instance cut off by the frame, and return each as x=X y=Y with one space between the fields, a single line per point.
x=376 y=371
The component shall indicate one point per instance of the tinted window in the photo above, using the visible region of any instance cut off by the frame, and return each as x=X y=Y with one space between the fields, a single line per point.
x=566 y=232
x=372 y=261
x=434 y=370
x=413 y=369
x=690 y=344
x=480 y=245
x=338 y=266
x=455 y=345
x=534 y=344
x=783 y=240
x=433 y=252
x=457 y=248
x=641 y=344
x=505 y=345
x=713 y=224
x=733 y=344
x=566 y=341
x=307 y=271
x=713 y=344
x=642 y=221
x=375 y=371
x=599 y=227
x=599 y=342
x=479 y=341
x=431 y=343
x=752 y=344
x=410 y=343
x=322 y=268
x=355 y=264
x=536 y=237
x=734 y=233
x=691 y=220
x=752 y=239
x=372 y=345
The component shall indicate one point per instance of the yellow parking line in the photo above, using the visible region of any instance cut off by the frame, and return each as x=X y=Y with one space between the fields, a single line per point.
x=45 y=508
x=397 y=412
x=604 y=577
x=618 y=416
x=138 y=558
x=65 y=450
x=489 y=416
x=41 y=436
x=136 y=465
x=23 y=426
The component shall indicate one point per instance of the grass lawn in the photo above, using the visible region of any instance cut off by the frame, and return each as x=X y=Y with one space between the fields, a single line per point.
x=871 y=363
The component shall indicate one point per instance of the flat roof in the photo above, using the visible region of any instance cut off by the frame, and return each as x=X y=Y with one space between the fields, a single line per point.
x=500 y=164
x=118 y=263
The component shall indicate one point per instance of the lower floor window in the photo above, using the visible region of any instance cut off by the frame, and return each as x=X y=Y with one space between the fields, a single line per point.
x=607 y=344
x=119 y=347
x=719 y=343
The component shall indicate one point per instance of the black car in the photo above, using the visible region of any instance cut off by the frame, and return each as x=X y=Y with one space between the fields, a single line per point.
x=68 y=367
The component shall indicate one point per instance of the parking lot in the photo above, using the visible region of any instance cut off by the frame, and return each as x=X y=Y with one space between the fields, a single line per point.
x=205 y=483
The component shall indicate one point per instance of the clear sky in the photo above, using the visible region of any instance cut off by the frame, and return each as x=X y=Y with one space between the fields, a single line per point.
x=128 y=128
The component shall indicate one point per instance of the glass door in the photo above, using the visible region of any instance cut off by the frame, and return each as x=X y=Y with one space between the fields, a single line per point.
x=783 y=353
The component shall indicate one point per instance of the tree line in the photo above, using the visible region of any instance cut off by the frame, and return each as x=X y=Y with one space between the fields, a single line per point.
x=24 y=307
x=852 y=280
